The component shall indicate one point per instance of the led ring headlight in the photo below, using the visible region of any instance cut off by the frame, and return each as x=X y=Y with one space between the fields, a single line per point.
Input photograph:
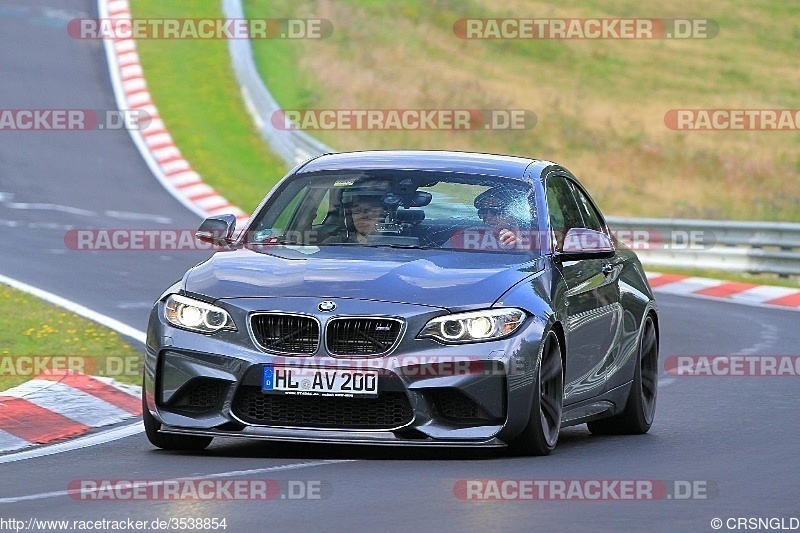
x=474 y=326
x=452 y=329
x=194 y=315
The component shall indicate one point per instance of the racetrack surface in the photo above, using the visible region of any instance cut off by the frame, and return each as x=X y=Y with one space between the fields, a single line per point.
x=739 y=435
x=54 y=181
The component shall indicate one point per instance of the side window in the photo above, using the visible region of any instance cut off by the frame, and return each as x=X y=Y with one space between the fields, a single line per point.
x=297 y=214
x=564 y=212
x=285 y=216
x=591 y=218
x=323 y=209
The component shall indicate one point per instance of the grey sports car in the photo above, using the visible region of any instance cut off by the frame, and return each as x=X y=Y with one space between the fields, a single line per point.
x=419 y=298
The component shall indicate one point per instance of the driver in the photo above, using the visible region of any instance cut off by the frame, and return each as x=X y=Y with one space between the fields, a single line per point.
x=362 y=212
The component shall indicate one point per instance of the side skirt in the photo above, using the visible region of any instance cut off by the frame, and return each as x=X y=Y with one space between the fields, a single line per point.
x=608 y=404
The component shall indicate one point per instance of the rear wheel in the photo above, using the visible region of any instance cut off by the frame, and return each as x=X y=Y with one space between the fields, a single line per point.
x=165 y=440
x=640 y=408
x=541 y=434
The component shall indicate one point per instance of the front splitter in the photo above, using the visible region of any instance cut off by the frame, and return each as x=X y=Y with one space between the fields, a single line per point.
x=332 y=436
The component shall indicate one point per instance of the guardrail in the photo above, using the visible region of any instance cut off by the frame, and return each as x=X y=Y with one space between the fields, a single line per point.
x=758 y=247
x=292 y=146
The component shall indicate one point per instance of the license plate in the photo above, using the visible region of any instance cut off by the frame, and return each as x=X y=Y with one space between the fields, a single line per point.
x=320 y=382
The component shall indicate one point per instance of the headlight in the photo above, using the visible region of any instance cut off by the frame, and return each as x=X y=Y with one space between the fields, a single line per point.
x=474 y=326
x=195 y=315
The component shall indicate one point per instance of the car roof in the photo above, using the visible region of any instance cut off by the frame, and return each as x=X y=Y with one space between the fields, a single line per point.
x=425 y=160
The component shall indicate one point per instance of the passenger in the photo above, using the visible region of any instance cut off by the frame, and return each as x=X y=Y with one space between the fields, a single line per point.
x=493 y=207
x=498 y=208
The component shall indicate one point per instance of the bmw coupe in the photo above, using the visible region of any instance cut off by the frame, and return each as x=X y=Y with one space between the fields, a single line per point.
x=422 y=298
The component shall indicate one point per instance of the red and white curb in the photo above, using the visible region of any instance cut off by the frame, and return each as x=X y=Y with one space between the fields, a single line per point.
x=58 y=406
x=154 y=142
x=729 y=291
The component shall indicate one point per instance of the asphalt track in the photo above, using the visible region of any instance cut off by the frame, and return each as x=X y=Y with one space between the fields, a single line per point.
x=740 y=436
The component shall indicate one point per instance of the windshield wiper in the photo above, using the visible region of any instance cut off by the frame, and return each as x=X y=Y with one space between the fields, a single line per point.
x=277 y=241
x=394 y=245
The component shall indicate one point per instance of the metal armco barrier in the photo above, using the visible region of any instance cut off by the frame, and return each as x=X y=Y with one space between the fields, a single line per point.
x=292 y=146
x=758 y=247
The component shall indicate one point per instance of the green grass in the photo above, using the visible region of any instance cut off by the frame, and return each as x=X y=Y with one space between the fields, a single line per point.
x=44 y=330
x=197 y=95
x=600 y=104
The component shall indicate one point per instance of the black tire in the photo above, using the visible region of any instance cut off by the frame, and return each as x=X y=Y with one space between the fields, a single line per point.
x=640 y=409
x=166 y=441
x=541 y=433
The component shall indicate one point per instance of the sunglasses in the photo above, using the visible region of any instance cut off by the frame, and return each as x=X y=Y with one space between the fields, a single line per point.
x=494 y=211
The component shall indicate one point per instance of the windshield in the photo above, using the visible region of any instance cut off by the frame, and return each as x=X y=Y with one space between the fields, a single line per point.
x=410 y=209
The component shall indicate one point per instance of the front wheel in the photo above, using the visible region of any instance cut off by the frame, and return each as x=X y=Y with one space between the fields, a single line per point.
x=640 y=409
x=165 y=440
x=541 y=433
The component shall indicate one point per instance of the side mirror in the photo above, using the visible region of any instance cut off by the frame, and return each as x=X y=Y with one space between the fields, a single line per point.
x=217 y=230
x=583 y=243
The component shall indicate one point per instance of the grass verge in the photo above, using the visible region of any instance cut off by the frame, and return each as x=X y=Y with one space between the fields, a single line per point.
x=48 y=335
x=600 y=103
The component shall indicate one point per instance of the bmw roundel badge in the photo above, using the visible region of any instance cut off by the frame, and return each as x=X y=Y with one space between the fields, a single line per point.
x=327 y=306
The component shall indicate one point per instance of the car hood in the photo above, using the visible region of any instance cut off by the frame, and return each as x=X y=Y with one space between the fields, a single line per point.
x=445 y=279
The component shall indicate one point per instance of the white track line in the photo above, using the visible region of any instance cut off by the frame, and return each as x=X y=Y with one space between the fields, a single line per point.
x=76 y=444
x=232 y=473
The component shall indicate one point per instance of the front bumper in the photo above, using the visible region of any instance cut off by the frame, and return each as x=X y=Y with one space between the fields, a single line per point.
x=469 y=395
x=305 y=435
